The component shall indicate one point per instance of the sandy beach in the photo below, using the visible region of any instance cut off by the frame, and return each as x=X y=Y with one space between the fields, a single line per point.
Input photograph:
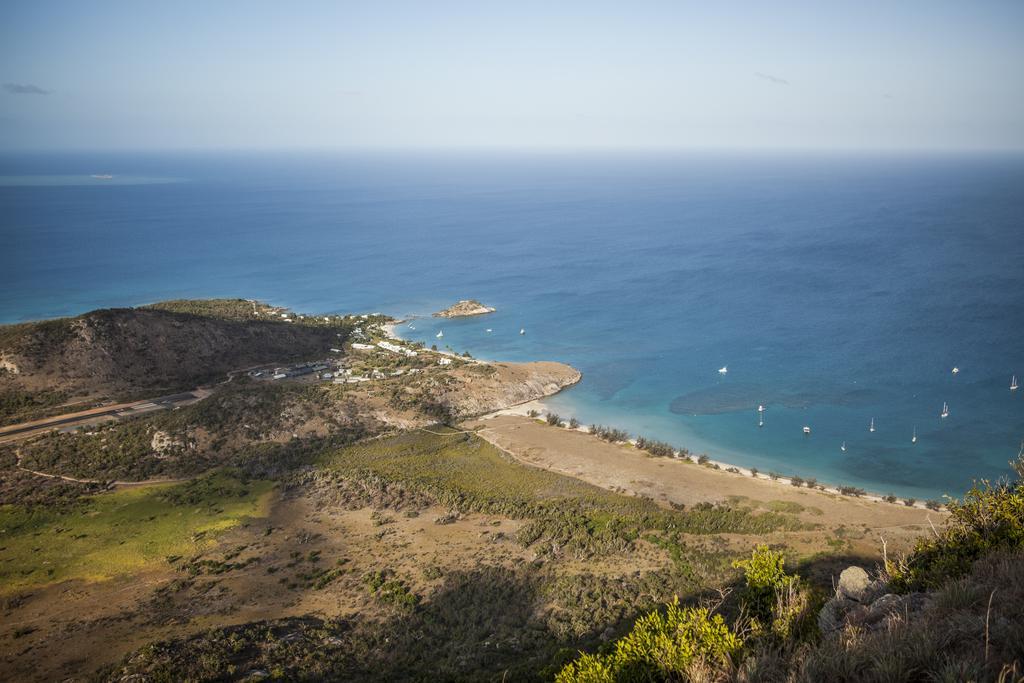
x=623 y=468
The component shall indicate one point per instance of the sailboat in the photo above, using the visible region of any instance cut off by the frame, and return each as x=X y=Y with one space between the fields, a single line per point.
x=723 y=370
x=807 y=430
x=843 y=447
x=945 y=410
x=913 y=439
x=956 y=370
x=871 y=427
x=440 y=334
x=760 y=415
x=1013 y=383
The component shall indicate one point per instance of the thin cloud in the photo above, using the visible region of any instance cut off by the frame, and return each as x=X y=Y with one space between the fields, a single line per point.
x=771 y=79
x=24 y=89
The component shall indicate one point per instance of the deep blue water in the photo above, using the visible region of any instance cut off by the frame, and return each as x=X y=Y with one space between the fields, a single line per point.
x=836 y=289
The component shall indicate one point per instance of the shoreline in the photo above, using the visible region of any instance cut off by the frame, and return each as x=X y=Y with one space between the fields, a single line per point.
x=522 y=410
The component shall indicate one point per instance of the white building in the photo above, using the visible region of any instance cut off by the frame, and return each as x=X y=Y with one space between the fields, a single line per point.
x=395 y=348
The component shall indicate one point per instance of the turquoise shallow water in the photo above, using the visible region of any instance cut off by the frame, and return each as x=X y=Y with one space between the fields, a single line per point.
x=835 y=289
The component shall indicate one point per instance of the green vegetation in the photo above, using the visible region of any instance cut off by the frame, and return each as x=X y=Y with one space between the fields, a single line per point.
x=122 y=531
x=609 y=434
x=467 y=474
x=659 y=449
x=390 y=591
x=989 y=518
x=18 y=405
x=690 y=643
x=221 y=429
x=967 y=628
x=660 y=646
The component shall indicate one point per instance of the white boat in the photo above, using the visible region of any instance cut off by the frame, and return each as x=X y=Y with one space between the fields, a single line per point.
x=807 y=430
x=956 y=370
x=102 y=176
x=871 y=427
x=760 y=408
x=913 y=439
x=945 y=410
x=440 y=334
x=724 y=369
x=1013 y=383
x=488 y=330
x=843 y=447
x=522 y=330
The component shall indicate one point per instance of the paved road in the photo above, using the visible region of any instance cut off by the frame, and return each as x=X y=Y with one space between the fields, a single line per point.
x=93 y=415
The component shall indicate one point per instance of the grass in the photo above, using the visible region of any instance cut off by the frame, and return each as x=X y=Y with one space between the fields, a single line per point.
x=121 y=532
x=465 y=473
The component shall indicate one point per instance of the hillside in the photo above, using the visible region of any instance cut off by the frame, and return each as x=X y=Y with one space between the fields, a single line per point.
x=129 y=352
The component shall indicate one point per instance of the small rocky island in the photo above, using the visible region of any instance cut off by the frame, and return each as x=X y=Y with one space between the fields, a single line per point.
x=464 y=308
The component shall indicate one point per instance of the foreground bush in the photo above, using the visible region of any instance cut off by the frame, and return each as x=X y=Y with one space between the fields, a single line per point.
x=989 y=518
x=776 y=610
x=660 y=646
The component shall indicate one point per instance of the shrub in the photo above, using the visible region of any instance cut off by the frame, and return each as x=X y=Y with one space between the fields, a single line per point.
x=659 y=647
x=851 y=491
x=774 y=476
x=933 y=504
x=732 y=470
x=889 y=498
x=554 y=419
x=764 y=574
x=796 y=481
x=779 y=605
x=532 y=413
x=609 y=434
x=810 y=482
x=909 y=502
x=989 y=518
x=703 y=459
x=754 y=471
x=574 y=423
x=656 y=448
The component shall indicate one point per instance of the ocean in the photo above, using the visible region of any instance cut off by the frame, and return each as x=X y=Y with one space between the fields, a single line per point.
x=835 y=288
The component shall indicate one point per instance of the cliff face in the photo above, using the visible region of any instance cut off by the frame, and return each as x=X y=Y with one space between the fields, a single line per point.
x=484 y=389
x=466 y=307
x=118 y=351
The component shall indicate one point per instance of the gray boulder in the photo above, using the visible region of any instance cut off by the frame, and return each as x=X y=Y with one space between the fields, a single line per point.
x=854 y=584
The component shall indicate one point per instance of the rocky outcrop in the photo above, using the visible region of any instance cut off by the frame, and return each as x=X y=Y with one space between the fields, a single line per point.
x=485 y=388
x=464 y=308
x=864 y=603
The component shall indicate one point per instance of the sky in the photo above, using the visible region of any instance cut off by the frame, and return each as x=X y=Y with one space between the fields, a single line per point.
x=912 y=74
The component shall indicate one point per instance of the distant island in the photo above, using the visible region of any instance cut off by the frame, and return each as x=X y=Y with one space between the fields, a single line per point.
x=463 y=309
